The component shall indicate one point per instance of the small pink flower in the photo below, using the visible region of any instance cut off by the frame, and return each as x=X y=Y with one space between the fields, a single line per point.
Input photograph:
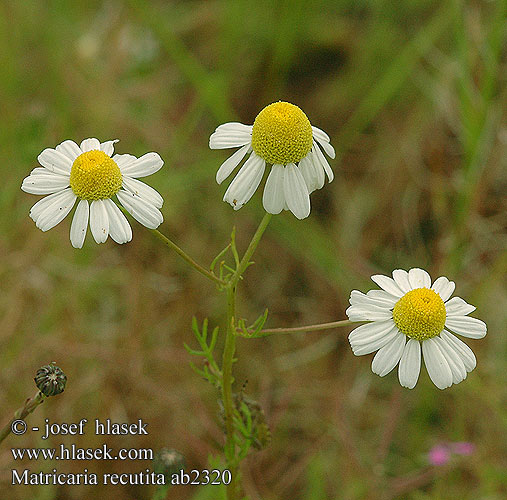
x=439 y=455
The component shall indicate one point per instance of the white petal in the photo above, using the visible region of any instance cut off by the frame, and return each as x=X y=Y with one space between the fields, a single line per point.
x=145 y=165
x=308 y=171
x=273 y=198
x=328 y=148
x=226 y=142
x=359 y=298
x=48 y=215
x=234 y=127
x=401 y=278
x=143 y=190
x=466 y=354
x=370 y=332
x=99 y=221
x=376 y=343
x=70 y=149
x=119 y=227
x=419 y=278
x=144 y=212
x=468 y=327
x=388 y=356
x=387 y=284
x=443 y=287
x=382 y=298
x=230 y=135
x=124 y=160
x=321 y=159
x=320 y=134
x=44 y=203
x=245 y=183
x=79 y=224
x=41 y=171
x=436 y=364
x=454 y=361
x=108 y=147
x=90 y=145
x=458 y=307
x=44 y=183
x=410 y=364
x=313 y=172
x=323 y=139
x=383 y=295
x=231 y=163
x=320 y=174
x=55 y=161
x=296 y=192
x=368 y=313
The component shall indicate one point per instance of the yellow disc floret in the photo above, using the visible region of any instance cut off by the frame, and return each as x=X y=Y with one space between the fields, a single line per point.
x=95 y=176
x=282 y=134
x=420 y=314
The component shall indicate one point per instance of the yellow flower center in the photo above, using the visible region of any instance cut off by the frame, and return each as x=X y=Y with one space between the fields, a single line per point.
x=282 y=134
x=420 y=314
x=95 y=176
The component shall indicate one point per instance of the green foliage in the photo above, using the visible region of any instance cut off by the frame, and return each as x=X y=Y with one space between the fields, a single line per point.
x=210 y=369
x=250 y=425
x=253 y=330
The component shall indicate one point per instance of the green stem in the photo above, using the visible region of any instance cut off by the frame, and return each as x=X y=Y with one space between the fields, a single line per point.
x=307 y=328
x=22 y=413
x=228 y=359
x=227 y=381
x=251 y=249
x=187 y=258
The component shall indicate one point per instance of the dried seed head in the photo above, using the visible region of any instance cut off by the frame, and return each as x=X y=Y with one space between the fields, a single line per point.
x=168 y=461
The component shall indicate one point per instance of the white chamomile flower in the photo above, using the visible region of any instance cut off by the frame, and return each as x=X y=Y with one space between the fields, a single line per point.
x=283 y=137
x=408 y=315
x=91 y=174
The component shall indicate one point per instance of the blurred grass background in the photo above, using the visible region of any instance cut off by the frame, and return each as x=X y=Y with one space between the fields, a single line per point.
x=413 y=96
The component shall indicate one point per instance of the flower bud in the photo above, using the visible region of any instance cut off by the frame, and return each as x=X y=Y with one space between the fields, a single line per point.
x=50 y=380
